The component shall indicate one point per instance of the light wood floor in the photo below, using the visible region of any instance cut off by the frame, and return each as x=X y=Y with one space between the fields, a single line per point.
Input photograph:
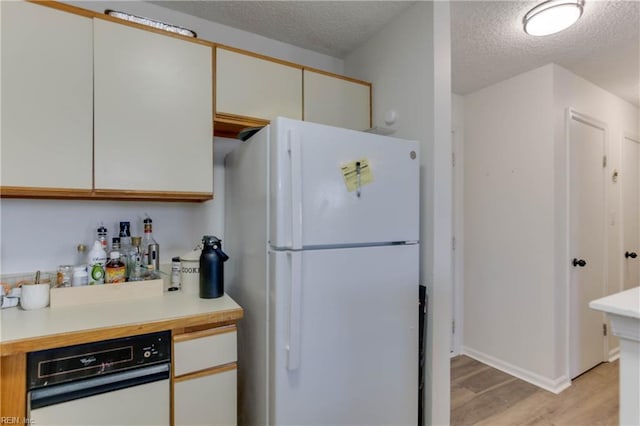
x=482 y=395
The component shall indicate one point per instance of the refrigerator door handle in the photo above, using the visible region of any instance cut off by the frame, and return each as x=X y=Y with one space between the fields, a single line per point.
x=295 y=153
x=295 y=312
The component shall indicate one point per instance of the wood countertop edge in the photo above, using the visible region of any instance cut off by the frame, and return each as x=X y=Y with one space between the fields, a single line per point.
x=50 y=341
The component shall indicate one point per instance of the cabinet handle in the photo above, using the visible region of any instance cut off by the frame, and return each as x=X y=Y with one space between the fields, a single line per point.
x=295 y=312
x=631 y=254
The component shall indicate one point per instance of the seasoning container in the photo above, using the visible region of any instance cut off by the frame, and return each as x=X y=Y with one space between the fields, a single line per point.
x=190 y=271
x=80 y=276
x=175 y=274
x=64 y=275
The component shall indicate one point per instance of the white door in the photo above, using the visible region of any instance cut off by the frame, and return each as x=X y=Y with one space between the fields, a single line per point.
x=630 y=212
x=312 y=204
x=344 y=338
x=587 y=240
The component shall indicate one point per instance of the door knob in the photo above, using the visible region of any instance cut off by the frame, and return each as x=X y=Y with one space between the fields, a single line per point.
x=630 y=254
x=579 y=262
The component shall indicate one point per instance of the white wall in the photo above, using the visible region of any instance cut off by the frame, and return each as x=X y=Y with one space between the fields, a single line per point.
x=515 y=288
x=399 y=61
x=42 y=234
x=509 y=223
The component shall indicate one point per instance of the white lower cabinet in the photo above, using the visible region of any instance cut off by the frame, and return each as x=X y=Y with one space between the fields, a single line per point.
x=205 y=390
x=206 y=400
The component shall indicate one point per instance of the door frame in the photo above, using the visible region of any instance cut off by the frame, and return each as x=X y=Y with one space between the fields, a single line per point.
x=633 y=138
x=573 y=114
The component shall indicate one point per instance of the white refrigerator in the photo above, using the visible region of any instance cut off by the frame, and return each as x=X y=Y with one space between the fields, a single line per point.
x=321 y=226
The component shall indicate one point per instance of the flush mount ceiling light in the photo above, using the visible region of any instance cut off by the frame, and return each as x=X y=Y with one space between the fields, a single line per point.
x=552 y=16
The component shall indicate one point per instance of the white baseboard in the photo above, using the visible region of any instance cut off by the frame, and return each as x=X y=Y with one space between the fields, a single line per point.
x=556 y=386
x=614 y=354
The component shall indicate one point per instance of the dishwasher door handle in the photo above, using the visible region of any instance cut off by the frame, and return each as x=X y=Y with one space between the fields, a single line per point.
x=63 y=392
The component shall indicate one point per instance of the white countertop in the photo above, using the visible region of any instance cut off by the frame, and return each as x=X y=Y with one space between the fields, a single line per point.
x=625 y=303
x=18 y=324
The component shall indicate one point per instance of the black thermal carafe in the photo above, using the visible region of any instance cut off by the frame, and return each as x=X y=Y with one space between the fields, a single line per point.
x=212 y=261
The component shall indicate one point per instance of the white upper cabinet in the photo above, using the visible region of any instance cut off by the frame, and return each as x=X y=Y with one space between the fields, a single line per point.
x=47 y=98
x=153 y=111
x=249 y=86
x=336 y=101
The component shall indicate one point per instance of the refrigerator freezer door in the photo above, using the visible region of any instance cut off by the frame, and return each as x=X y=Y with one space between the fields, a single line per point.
x=344 y=336
x=332 y=187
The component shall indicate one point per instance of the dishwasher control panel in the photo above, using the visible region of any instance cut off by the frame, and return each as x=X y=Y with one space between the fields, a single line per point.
x=77 y=362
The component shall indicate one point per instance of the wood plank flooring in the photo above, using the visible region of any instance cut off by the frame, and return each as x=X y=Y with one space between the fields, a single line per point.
x=482 y=395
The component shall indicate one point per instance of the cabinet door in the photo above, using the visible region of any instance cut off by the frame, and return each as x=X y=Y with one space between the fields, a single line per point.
x=336 y=101
x=253 y=87
x=206 y=400
x=204 y=349
x=153 y=111
x=47 y=97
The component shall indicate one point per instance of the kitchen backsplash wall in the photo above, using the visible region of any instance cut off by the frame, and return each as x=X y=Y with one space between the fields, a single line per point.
x=42 y=234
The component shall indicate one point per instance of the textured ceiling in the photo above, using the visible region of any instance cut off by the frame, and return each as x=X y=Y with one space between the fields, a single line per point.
x=331 y=27
x=488 y=44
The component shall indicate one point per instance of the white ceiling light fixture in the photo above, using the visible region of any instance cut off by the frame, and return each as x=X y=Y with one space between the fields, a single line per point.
x=552 y=16
x=151 y=23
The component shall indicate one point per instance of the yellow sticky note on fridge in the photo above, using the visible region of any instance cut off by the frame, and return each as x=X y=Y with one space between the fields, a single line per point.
x=357 y=170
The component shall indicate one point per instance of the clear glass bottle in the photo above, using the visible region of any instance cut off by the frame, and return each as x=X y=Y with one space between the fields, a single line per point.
x=115 y=244
x=128 y=252
x=136 y=273
x=147 y=240
x=102 y=236
x=81 y=255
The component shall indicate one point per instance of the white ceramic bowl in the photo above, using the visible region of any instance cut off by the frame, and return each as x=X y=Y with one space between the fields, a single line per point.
x=34 y=296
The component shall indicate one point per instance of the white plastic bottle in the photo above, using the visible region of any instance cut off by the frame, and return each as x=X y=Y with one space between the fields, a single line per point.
x=96 y=260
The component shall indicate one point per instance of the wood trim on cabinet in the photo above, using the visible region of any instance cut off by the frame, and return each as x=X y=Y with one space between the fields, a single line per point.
x=65 y=8
x=92 y=14
x=229 y=125
x=13 y=393
x=121 y=194
x=96 y=335
x=341 y=77
x=204 y=333
x=208 y=372
x=40 y=192
x=259 y=56
x=192 y=329
x=102 y=194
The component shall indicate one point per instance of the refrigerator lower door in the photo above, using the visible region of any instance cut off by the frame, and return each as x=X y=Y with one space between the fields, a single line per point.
x=344 y=336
